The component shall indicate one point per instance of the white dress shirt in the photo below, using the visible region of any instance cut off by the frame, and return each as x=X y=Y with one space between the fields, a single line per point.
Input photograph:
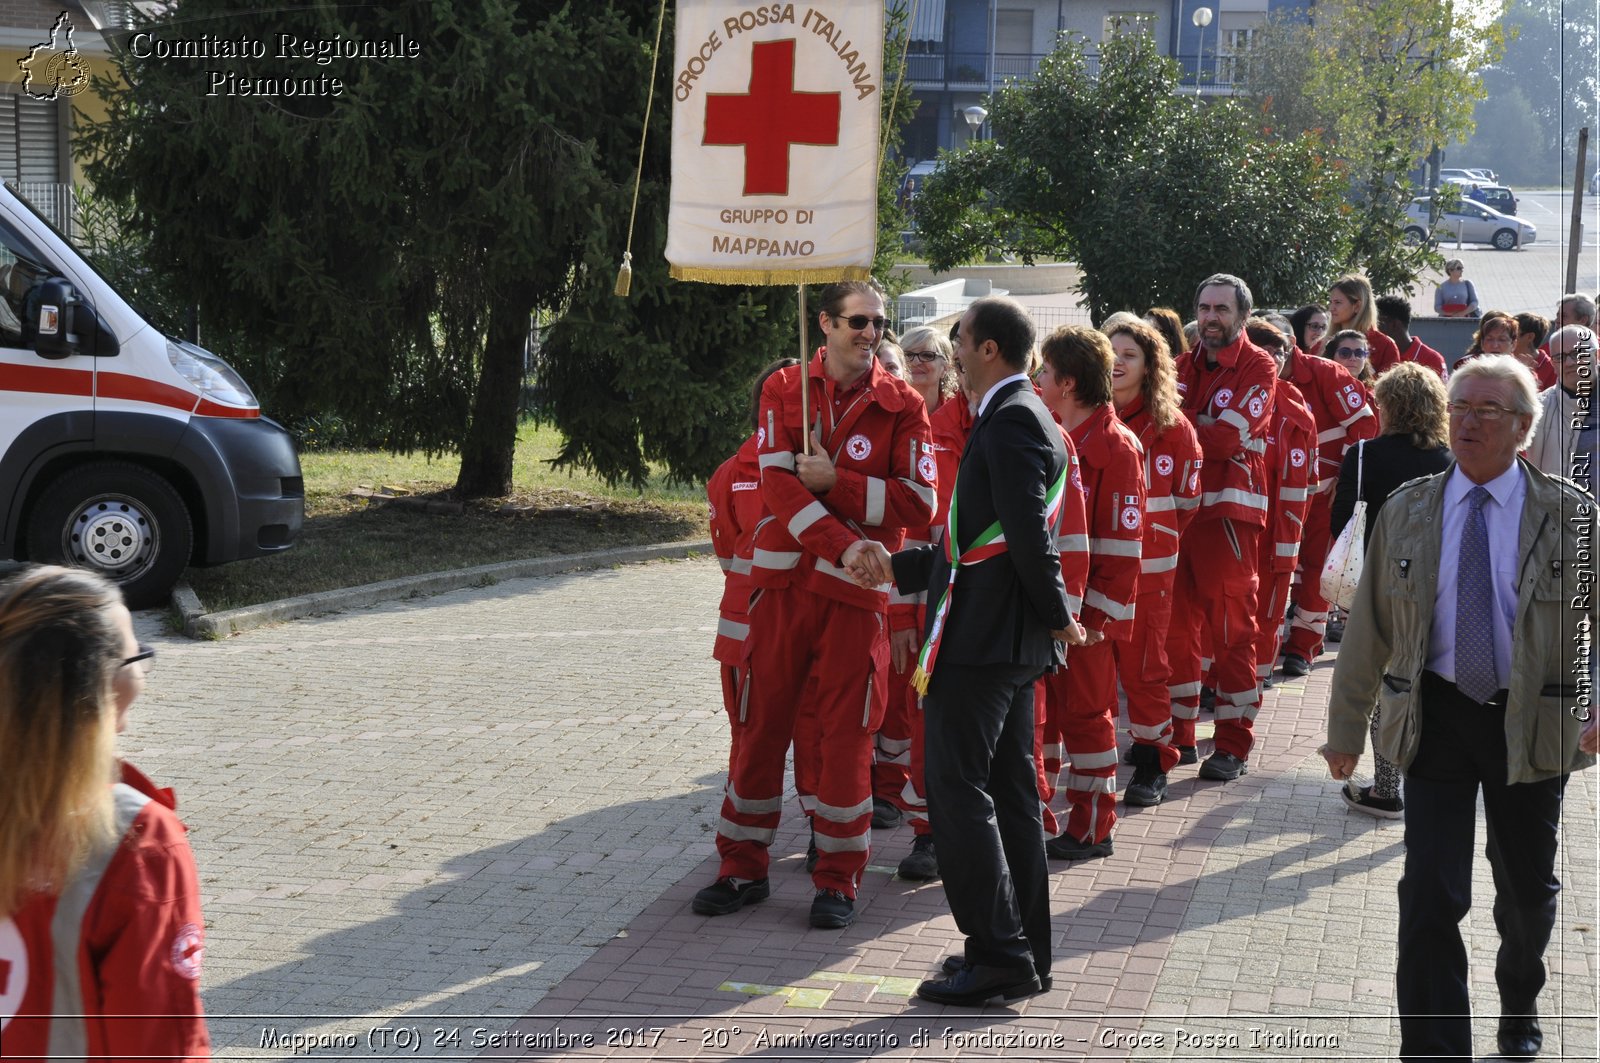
x=984 y=403
x=1503 y=516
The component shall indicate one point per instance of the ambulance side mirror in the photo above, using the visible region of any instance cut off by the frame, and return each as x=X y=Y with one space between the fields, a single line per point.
x=51 y=307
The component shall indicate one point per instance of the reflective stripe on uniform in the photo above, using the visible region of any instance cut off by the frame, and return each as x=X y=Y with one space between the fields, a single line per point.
x=1094 y=784
x=827 y=843
x=1234 y=496
x=741 y=566
x=1288 y=549
x=752 y=806
x=1115 y=610
x=1115 y=547
x=69 y=1036
x=1151 y=732
x=813 y=512
x=775 y=559
x=1293 y=494
x=1066 y=543
x=1089 y=761
x=732 y=629
x=1153 y=565
x=738 y=832
x=777 y=459
x=1236 y=419
x=1160 y=503
x=929 y=496
x=843 y=813
x=877 y=497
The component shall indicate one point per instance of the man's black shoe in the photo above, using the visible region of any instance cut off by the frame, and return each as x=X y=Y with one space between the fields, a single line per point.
x=1295 y=666
x=832 y=910
x=1335 y=631
x=1208 y=699
x=1266 y=683
x=811 y=852
x=1520 y=1037
x=1066 y=847
x=974 y=986
x=727 y=895
x=921 y=864
x=1223 y=767
x=1147 y=788
x=1188 y=755
x=885 y=815
x=954 y=964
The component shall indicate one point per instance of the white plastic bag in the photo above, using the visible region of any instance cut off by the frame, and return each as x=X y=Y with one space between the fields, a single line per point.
x=1341 y=573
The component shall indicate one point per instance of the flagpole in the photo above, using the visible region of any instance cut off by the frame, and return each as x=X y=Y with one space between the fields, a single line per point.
x=805 y=375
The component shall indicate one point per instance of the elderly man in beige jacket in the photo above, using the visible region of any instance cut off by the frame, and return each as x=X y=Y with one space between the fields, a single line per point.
x=1470 y=628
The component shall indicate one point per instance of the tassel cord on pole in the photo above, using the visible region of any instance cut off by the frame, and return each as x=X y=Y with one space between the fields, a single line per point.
x=625 y=272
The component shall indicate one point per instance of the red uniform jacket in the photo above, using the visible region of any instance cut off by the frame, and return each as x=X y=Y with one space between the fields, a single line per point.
x=733 y=497
x=1172 y=492
x=1291 y=446
x=1229 y=406
x=124 y=939
x=1381 y=351
x=1113 y=490
x=1340 y=406
x=1424 y=356
x=876 y=433
x=956 y=416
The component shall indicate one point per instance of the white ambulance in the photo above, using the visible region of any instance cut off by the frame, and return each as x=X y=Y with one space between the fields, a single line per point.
x=123 y=450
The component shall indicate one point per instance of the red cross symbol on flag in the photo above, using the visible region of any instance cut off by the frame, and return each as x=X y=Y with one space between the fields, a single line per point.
x=771 y=117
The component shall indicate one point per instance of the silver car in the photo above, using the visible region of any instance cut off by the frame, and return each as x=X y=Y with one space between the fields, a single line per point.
x=1471 y=223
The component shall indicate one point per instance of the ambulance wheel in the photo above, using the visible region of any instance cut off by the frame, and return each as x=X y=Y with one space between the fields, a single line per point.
x=120 y=520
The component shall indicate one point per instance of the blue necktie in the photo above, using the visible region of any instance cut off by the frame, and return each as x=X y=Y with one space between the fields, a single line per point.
x=1475 y=672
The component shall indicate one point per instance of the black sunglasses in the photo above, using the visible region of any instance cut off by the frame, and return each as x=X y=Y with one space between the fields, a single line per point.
x=146 y=653
x=859 y=322
x=1350 y=352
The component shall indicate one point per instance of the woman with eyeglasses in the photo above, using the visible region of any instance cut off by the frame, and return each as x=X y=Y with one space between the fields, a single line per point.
x=1455 y=297
x=1310 y=324
x=1497 y=334
x=1351 y=306
x=897 y=790
x=102 y=937
x=1413 y=440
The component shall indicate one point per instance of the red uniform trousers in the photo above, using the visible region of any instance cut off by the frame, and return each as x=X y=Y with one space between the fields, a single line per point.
x=1216 y=591
x=1144 y=672
x=843 y=649
x=1272 y=592
x=1048 y=749
x=897 y=755
x=1310 y=621
x=1082 y=705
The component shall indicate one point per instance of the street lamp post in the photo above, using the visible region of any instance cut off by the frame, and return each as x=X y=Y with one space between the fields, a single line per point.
x=975 y=116
x=1201 y=19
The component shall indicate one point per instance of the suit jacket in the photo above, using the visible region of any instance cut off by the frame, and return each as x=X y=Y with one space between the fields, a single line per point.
x=1385 y=645
x=1004 y=608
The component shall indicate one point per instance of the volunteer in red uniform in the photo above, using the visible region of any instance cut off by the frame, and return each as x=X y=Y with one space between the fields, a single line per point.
x=1351 y=306
x=1291 y=457
x=927 y=356
x=1082 y=701
x=871 y=472
x=1394 y=321
x=1227 y=385
x=733 y=504
x=1342 y=408
x=101 y=935
x=1145 y=389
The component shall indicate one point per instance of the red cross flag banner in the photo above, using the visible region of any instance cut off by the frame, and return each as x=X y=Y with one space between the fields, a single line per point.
x=775 y=141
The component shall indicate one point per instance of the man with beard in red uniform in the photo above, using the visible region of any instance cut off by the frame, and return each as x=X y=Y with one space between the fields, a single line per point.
x=1339 y=405
x=1081 y=703
x=865 y=478
x=1227 y=385
x=1291 y=449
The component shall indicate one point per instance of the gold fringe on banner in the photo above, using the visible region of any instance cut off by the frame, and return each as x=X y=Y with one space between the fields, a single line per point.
x=771 y=276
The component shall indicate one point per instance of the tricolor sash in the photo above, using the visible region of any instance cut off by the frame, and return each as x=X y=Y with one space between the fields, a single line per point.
x=991 y=542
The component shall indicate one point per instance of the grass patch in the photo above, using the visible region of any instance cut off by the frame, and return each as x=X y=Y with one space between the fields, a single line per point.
x=349 y=541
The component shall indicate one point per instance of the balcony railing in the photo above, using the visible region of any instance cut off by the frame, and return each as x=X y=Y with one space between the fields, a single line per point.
x=1210 y=74
x=52 y=199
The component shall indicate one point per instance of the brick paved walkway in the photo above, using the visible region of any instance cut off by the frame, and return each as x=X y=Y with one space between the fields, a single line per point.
x=475 y=821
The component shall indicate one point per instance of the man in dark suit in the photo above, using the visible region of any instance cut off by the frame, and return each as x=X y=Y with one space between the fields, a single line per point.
x=1004 y=621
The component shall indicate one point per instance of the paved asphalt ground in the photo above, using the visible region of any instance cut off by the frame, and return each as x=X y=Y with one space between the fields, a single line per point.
x=470 y=825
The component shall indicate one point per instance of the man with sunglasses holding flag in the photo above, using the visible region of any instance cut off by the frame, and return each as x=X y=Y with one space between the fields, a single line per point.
x=999 y=616
x=815 y=635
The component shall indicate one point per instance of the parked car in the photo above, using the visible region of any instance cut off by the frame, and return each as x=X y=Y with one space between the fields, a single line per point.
x=1480 y=175
x=1498 y=197
x=1473 y=222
